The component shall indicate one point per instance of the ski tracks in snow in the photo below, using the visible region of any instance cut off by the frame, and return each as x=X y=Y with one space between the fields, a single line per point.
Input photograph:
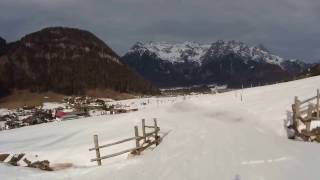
x=256 y=162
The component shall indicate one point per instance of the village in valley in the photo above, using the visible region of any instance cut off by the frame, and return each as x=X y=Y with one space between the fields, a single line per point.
x=75 y=107
x=70 y=109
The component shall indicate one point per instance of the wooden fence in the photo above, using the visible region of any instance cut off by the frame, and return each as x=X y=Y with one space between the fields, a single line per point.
x=148 y=139
x=306 y=111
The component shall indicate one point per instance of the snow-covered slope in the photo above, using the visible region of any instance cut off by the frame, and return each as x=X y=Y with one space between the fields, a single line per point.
x=205 y=137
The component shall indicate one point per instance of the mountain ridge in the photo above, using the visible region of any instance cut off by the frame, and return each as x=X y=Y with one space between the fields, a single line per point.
x=164 y=49
x=189 y=63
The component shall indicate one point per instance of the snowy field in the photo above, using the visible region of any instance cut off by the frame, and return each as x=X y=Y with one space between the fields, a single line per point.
x=206 y=137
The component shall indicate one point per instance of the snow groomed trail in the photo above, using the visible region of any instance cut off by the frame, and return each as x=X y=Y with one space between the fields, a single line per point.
x=206 y=137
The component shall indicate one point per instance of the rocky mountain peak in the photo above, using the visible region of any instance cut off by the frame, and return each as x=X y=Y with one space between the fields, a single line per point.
x=172 y=52
x=228 y=62
x=263 y=48
x=257 y=53
x=197 y=52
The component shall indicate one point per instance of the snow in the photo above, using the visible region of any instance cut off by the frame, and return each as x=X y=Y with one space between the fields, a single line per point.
x=2 y=124
x=205 y=137
x=53 y=105
x=195 y=52
x=4 y=112
x=176 y=52
x=221 y=48
x=104 y=55
x=314 y=124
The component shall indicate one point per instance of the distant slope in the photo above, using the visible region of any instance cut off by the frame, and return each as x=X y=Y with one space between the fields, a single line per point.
x=312 y=71
x=68 y=61
x=224 y=62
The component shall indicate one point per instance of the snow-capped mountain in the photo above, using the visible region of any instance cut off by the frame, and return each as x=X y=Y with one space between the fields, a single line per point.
x=189 y=63
x=223 y=48
x=196 y=52
x=175 y=53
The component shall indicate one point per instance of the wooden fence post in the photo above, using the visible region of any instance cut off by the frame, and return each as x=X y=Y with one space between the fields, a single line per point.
x=296 y=112
x=143 y=122
x=309 y=117
x=136 y=133
x=156 y=131
x=318 y=99
x=96 y=145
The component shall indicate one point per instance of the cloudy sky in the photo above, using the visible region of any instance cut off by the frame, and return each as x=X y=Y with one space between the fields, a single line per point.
x=289 y=28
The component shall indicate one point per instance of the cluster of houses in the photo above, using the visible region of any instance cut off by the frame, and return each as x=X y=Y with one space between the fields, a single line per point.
x=72 y=108
x=94 y=106
x=25 y=116
x=196 y=89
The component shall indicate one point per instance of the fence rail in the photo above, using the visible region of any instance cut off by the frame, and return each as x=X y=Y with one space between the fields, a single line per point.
x=308 y=100
x=115 y=143
x=139 y=147
x=306 y=111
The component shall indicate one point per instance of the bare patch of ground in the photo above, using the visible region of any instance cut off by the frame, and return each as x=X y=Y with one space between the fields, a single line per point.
x=20 y=98
x=108 y=93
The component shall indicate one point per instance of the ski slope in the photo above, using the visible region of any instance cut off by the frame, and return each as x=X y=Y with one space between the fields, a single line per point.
x=205 y=137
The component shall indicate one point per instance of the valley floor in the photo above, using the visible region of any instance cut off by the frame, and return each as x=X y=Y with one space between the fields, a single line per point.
x=20 y=98
x=205 y=137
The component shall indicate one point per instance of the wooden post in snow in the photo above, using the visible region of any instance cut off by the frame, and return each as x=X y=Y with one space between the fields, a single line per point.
x=143 y=124
x=241 y=92
x=136 y=134
x=156 y=131
x=318 y=99
x=96 y=146
x=309 y=117
x=296 y=112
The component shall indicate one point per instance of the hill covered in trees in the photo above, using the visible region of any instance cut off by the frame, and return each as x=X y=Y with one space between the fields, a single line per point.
x=67 y=61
